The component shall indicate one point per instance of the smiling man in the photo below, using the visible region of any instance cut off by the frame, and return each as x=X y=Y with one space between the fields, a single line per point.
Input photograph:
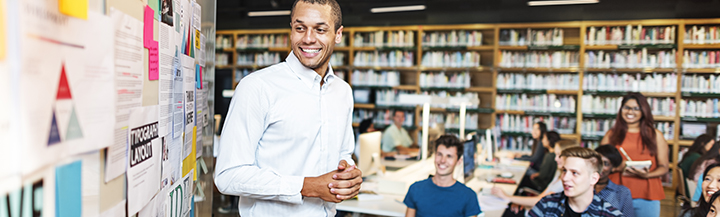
x=579 y=175
x=442 y=195
x=286 y=145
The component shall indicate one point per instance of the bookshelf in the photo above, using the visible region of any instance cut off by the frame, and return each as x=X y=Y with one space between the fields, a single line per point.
x=579 y=63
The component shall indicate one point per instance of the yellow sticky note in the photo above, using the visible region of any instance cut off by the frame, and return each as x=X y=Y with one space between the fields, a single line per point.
x=3 y=47
x=75 y=8
x=197 y=39
x=189 y=163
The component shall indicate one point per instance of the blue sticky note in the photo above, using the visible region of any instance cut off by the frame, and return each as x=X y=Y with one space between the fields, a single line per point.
x=198 y=76
x=68 y=190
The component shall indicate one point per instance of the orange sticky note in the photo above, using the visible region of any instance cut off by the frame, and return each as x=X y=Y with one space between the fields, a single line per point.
x=75 y=8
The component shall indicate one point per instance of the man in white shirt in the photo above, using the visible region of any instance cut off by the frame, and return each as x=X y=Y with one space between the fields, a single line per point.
x=286 y=144
x=396 y=139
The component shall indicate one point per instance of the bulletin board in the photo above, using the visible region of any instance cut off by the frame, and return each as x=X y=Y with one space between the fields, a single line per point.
x=104 y=107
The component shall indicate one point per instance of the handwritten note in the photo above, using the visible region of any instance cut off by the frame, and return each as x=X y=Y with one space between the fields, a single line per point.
x=151 y=44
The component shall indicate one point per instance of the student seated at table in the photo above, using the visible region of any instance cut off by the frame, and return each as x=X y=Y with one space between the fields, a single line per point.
x=709 y=186
x=579 y=174
x=712 y=156
x=539 y=181
x=396 y=140
x=441 y=194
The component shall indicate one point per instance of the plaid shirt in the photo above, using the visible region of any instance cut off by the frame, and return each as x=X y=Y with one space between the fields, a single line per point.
x=554 y=206
x=619 y=197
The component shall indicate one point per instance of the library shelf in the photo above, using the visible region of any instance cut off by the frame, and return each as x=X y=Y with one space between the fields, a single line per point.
x=663 y=118
x=701 y=46
x=364 y=106
x=701 y=119
x=480 y=89
x=702 y=71
x=591 y=137
x=472 y=110
x=449 y=89
x=693 y=94
x=600 y=116
x=395 y=107
x=224 y=66
x=637 y=70
x=510 y=112
x=685 y=142
x=532 y=91
x=622 y=93
x=341 y=49
x=387 y=68
x=406 y=87
x=460 y=69
x=379 y=87
x=549 y=70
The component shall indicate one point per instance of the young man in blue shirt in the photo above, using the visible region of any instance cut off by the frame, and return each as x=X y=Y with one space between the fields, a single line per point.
x=442 y=195
x=579 y=175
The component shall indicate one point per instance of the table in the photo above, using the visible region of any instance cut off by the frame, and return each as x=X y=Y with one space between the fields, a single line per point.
x=391 y=205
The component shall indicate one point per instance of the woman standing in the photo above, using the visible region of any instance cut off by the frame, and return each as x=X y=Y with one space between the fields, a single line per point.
x=634 y=134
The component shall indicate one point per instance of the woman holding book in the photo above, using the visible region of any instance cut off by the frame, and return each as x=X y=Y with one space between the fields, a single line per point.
x=637 y=139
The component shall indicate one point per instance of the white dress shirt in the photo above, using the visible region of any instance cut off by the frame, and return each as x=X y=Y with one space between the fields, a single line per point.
x=283 y=126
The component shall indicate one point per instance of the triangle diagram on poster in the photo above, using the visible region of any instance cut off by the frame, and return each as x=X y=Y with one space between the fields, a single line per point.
x=73 y=131
x=63 y=91
x=54 y=137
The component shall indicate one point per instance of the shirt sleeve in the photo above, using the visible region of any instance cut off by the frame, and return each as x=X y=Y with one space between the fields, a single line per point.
x=348 y=145
x=237 y=171
x=626 y=202
x=539 y=209
x=473 y=206
x=408 y=201
x=698 y=189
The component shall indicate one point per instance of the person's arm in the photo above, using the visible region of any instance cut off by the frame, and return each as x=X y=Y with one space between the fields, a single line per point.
x=538 y=210
x=410 y=212
x=521 y=200
x=662 y=160
x=388 y=142
x=347 y=183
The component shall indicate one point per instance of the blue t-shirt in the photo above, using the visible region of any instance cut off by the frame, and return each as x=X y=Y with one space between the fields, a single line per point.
x=429 y=199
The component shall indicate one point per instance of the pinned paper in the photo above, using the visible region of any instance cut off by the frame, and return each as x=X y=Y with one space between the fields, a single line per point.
x=151 y=44
x=198 y=77
x=189 y=163
x=68 y=189
x=153 y=62
x=75 y=8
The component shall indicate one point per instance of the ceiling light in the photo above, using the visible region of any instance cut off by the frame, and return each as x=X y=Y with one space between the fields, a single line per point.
x=268 y=13
x=398 y=9
x=562 y=2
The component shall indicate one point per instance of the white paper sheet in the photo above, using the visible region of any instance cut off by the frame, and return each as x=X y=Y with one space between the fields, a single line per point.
x=179 y=197
x=144 y=153
x=155 y=208
x=65 y=91
x=175 y=158
x=37 y=188
x=8 y=127
x=116 y=211
x=203 y=113
x=91 y=184
x=188 y=66
x=178 y=97
x=197 y=10
x=128 y=84
x=168 y=46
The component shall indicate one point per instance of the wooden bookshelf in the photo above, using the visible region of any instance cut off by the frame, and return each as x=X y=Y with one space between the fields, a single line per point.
x=484 y=78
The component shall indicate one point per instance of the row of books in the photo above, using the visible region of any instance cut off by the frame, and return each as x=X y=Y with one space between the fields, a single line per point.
x=593 y=104
x=445 y=79
x=340 y=74
x=701 y=59
x=382 y=117
x=389 y=97
x=337 y=59
x=261 y=41
x=707 y=108
x=241 y=73
x=518 y=81
x=517 y=37
x=655 y=82
x=375 y=78
x=260 y=59
x=524 y=123
x=453 y=96
x=452 y=120
x=630 y=59
x=384 y=59
x=630 y=35
x=596 y=127
x=696 y=83
x=451 y=59
x=452 y=38
x=222 y=59
x=223 y=41
x=516 y=143
x=702 y=35
x=539 y=59
x=537 y=103
x=667 y=129
x=385 y=39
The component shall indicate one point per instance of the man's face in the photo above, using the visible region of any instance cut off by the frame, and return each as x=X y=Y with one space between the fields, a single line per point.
x=607 y=168
x=313 y=37
x=445 y=160
x=399 y=118
x=577 y=176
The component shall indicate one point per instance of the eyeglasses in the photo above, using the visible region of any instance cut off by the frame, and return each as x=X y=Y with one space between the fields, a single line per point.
x=628 y=108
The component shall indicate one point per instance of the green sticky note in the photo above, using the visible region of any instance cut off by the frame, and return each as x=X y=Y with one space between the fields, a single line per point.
x=155 y=5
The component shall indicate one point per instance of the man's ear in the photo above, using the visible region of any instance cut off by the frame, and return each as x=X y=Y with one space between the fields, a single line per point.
x=338 y=35
x=595 y=177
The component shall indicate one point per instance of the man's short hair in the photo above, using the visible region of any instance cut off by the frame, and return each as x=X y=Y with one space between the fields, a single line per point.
x=565 y=144
x=611 y=153
x=334 y=6
x=589 y=155
x=450 y=141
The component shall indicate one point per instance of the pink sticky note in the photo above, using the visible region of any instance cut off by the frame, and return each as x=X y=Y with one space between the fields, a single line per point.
x=148 y=23
x=153 y=61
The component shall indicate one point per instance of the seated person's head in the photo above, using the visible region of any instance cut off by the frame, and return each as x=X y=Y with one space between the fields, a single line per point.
x=550 y=139
x=399 y=117
x=581 y=170
x=610 y=159
x=366 y=126
x=448 y=150
x=713 y=207
x=710 y=183
x=561 y=146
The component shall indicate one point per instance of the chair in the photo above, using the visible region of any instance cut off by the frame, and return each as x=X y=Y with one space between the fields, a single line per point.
x=680 y=196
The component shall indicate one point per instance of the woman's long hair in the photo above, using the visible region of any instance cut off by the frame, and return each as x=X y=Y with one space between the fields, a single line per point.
x=713 y=153
x=537 y=144
x=704 y=206
x=698 y=145
x=647 y=130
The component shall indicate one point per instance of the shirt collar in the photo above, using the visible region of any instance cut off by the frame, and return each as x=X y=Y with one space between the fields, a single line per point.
x=308 y=76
